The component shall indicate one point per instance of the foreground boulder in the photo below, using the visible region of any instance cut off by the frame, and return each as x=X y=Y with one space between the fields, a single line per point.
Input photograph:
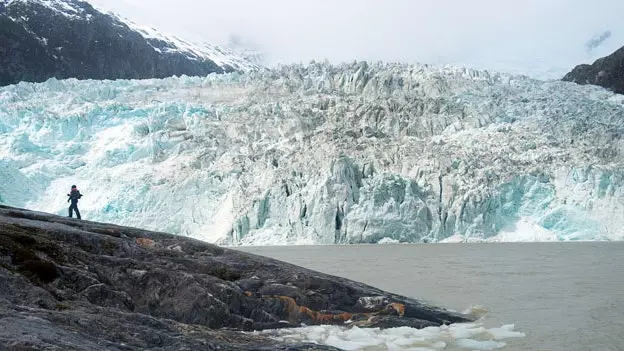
x=79 y=285
x=607 y=72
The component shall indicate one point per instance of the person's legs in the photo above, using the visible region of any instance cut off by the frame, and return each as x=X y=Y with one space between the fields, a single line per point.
x=71 y=212
x=77 y=212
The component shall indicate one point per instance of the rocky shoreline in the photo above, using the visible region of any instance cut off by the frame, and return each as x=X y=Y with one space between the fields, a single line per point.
x=79 y=285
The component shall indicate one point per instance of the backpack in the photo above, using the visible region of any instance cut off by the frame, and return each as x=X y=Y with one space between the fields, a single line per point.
x=74 y=195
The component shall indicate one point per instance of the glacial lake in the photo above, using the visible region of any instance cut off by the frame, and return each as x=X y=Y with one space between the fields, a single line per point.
x=563 y=296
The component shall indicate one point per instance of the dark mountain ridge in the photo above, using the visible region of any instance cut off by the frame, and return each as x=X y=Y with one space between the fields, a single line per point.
x=607 y=72
x=42 y=39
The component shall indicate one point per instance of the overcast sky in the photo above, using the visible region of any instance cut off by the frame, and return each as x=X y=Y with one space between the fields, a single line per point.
x=537 y=37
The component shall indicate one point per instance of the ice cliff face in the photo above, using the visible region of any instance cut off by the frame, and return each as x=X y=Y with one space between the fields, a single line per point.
x=356 y=153
x=41 y=39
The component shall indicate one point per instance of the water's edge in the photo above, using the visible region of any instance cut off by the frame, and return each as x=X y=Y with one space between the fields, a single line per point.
x=564 y=296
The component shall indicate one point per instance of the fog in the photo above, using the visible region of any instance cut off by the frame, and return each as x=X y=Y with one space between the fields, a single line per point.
x=542 y=38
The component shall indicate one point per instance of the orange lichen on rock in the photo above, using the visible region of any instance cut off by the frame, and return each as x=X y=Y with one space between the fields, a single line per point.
x=340 y=317
x=295 y=311
x=146 y=243
x=398 y=307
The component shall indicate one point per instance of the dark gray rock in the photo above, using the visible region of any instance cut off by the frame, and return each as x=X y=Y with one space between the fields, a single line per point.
x=607 y=72
x=38 y=42
x=76 y=285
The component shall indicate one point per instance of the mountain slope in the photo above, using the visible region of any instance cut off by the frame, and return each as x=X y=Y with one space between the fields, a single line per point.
x=40 y=39
x=607 y=72
x=355 y=153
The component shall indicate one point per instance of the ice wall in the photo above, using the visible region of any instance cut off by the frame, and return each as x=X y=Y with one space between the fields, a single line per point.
x=323 y=154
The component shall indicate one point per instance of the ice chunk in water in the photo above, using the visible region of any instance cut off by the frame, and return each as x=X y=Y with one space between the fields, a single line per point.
x=468 y=336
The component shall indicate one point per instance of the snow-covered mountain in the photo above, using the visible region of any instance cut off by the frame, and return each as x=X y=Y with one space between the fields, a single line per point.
x=40 y=39
x=246 y=49
x=355 y=153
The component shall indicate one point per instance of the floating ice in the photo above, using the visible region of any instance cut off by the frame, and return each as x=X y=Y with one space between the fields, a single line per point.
x=454 y=337
x=323 y=154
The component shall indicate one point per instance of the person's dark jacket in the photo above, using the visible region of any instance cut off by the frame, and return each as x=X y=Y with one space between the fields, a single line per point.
x=74 y=196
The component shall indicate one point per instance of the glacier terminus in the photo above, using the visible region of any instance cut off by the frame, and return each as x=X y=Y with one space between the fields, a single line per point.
x=357 y=152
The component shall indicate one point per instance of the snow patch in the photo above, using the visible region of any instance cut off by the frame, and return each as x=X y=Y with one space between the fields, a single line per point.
x=195 y=51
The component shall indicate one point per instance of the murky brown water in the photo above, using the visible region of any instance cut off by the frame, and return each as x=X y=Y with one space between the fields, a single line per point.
x=564 y=296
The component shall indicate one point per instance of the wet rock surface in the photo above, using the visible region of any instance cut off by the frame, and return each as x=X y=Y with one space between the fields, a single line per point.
x=77 y=285
x=607 y=72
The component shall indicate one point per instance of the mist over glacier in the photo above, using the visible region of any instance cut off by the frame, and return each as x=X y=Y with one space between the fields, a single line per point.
x=319 y=153
x=543 y=39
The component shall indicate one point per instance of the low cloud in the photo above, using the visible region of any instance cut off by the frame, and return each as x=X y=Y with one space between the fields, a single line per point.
x=537 y=37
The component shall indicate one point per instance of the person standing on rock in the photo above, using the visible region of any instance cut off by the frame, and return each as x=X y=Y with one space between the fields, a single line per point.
x=73 y=196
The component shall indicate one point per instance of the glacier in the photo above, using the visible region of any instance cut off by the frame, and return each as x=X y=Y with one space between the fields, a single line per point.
x=359 y=152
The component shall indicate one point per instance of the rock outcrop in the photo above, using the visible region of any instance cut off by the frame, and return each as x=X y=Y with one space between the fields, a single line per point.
x=71 y=39
x=79 y=285
x=607 y=72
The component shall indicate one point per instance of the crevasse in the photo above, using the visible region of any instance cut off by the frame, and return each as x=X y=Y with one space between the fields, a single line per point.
x=319 y=153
